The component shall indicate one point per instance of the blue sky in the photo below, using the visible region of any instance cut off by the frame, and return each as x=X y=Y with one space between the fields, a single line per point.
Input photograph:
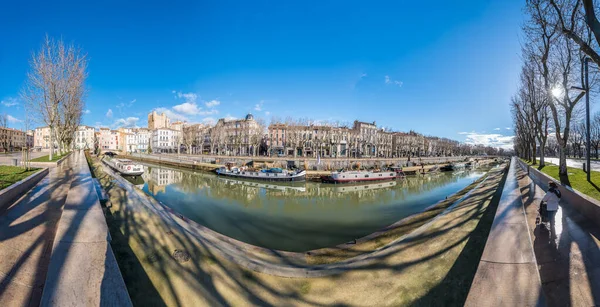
x=445 y=68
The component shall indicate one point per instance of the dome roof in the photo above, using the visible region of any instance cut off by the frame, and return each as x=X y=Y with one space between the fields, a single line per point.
x=249 y=117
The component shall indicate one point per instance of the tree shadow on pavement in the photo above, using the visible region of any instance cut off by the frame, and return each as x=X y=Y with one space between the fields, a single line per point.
x=212 y=274
x=454 y=288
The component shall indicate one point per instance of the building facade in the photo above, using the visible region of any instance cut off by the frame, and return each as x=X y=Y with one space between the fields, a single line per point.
x=238 y=137
x=41 y=138
x=108 y=139
x=165 y=140
x=12 y=139
x=156 y=120
x=84 y=138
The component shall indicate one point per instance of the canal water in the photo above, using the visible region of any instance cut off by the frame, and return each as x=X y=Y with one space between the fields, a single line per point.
x=300 y=216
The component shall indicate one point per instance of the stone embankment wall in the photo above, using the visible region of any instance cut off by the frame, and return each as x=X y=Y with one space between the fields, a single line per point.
x=325 y=164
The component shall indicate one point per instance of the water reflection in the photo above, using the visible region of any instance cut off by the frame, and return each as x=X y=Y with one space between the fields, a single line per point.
x=297 y=216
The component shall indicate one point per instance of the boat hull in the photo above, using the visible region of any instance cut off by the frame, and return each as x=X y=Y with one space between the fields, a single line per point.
x=121 y=171
x=271 y=177
x=329 y=179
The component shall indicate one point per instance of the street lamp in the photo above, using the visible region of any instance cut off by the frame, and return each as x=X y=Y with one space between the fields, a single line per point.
x=587 y=117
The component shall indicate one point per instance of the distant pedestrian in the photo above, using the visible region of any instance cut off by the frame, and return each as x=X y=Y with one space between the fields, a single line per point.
x=549 y=205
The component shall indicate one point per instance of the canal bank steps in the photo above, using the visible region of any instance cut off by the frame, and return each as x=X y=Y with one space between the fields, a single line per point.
x=433 y=267
x=281 y=263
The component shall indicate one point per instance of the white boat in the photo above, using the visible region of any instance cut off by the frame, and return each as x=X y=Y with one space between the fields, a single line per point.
x=123 y=166
x=272 y=174
x=359 y=176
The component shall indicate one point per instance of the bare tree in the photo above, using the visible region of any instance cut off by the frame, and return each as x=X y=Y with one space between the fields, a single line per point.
x=256 y=135
x=3 y=120
x=189 y=134
x=55 y=87
x=576 y=20
x=595 y=133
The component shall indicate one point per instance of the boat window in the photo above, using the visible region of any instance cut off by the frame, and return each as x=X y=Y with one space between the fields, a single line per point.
x=366 y=176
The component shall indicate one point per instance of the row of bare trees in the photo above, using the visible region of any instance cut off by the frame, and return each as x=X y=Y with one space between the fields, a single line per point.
x=236 y=137
x=54 y=90
x=559 y=35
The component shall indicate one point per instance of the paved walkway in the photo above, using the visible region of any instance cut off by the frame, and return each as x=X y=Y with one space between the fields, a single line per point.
x=54 y=248
x=507 y=273
x=27 y=231
x=568 y=254
x=576 y=163
x=7 y=159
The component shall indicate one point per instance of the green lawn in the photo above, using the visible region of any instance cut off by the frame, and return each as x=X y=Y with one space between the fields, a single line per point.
x=12 y=174
x=55 y=158
x=577 y=178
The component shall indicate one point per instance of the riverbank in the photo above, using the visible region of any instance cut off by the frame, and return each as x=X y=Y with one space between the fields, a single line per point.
x=429 y=264
x=314 y=172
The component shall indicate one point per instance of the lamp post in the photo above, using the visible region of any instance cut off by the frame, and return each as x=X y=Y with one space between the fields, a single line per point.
x=587 y=117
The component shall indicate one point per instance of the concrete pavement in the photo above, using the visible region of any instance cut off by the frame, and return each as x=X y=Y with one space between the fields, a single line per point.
x=507 y=272
x=7 y=159
x=568 y=253
x=53 y=245
x=576 y=163
x=27 y=231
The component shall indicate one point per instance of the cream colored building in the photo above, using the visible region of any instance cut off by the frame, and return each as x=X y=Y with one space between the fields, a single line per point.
x=84 y=138
x=165 y=140
x=156 y=120
x=41 y=138
x=238 y=137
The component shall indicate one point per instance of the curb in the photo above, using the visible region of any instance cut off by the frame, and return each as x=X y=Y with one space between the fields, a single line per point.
x=20 y=188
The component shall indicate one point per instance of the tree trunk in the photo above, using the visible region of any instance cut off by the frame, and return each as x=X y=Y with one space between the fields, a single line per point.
x=51 y=143
x=542 y=153
x=562 y=165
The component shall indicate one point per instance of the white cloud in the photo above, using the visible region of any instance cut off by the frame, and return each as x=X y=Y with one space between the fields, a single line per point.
x=364 y=75
x=496 y=129
x=508 y=128
x=258 y=106
x=10 y=101
x=189 y=108
x=172 y=115
x=488 y=139
x=129 y=122
x=109 y=113
x=229 y=117
x=267 y=113
x=87 y=111
x=388 y=80
x=213 y=103
x=189 y=97
x=13 y=119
